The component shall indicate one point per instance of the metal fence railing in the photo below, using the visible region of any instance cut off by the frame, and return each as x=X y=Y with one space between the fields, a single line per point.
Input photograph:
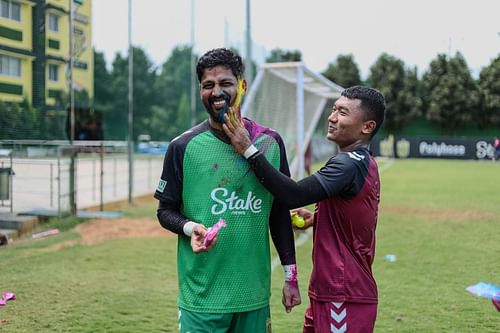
x=55 y=176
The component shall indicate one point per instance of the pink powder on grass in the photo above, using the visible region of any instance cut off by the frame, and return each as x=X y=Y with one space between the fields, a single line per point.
x=7 y=296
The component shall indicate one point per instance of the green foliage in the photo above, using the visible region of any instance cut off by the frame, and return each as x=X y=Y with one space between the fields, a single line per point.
x=161 y=121
x=174 y=87
x=103 y=95
x=401 y=90
x=447 y=95
x=489 y=82
x=183 y=119
x=344 y=71
x=18 y=121
x=279 y=55
x=453 y=95
x=144 y=97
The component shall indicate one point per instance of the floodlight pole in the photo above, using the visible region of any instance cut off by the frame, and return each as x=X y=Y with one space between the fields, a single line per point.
x=130 y=105
x=71 y=91
x=226 y=33
x=193 y=68
x=248 y=48
x=300 y=119
x=72 y=162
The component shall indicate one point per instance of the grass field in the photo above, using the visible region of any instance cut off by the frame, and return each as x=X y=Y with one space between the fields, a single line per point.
x=440 y=218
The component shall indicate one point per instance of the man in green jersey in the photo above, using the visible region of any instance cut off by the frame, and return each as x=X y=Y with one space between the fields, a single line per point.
x=224 y=286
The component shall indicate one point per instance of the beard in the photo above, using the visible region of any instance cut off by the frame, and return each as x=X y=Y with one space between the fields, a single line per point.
x=218 y=115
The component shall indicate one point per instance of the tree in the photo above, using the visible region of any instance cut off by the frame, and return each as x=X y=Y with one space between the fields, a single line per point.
x=174 y=85
x=19 y=121
x=144 y=95
x=103 y=95
x=431 y=79
x=400 y=88
x=183 y=119
x=161 y=123
x=8 y=122
x=453 y=94
x=279 y=55
x=115 y=122
x=344 y=71
x=489 y=83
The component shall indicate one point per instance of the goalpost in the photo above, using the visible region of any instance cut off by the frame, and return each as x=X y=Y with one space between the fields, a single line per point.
x=290 y=98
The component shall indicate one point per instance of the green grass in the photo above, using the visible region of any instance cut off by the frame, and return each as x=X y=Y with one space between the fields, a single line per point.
x=440 y=218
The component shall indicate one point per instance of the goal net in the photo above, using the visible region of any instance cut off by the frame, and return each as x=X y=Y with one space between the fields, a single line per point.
x=291 y=99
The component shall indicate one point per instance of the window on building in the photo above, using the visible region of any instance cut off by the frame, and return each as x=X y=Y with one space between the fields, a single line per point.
x=10 y=9
x=10 y=66
x=53 y=72
x=53 y=22
x=79 y=41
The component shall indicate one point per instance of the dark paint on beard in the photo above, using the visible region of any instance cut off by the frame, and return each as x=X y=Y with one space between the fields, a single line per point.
x=218 y=115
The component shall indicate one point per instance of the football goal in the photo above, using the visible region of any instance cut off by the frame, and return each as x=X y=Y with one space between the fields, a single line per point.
x=290 y=98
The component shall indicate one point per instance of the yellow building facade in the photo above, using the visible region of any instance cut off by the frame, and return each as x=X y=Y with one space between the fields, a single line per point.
x=35 y=50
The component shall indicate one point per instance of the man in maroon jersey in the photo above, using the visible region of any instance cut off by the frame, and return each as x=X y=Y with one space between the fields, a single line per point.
x=346 y=190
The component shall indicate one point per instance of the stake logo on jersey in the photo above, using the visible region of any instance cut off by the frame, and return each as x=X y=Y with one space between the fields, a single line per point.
x=236 y=205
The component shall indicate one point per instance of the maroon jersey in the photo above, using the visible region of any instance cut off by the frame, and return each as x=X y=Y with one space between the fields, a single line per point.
x=344 y=229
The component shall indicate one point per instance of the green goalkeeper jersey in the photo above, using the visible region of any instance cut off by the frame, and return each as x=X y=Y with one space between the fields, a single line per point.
x=209 y=181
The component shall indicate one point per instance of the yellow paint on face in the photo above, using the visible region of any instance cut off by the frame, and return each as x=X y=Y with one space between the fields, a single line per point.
x=239 y=95
x=235 y=108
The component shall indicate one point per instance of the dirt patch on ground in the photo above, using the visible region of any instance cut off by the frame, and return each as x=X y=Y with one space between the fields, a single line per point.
x=101 y=230
x=440 y=214
x=98 y=231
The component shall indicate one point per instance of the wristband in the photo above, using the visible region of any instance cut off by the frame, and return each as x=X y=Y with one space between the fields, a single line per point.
x=250 y=151
x=188 y=228
x=290 y=272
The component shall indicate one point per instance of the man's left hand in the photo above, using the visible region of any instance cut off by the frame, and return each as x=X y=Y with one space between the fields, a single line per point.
x=237 y=133
x=198 y=239
x=291 y=295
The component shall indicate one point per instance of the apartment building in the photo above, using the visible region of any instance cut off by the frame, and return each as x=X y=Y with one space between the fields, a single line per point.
x=35 y=51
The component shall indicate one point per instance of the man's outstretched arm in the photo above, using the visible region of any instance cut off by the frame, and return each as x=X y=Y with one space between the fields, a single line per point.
x=286 y=190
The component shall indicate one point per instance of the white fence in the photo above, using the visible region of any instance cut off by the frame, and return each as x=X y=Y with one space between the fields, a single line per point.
x=44 y=183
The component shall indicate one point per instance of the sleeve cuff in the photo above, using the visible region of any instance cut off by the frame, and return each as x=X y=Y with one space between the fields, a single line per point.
x=251 y=150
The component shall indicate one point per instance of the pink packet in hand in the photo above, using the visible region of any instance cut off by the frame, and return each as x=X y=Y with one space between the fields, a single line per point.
x=213 y=231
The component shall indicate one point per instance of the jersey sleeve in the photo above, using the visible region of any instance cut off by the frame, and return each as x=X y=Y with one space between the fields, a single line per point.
x=169 y=191
x=280 y=225
x=343 y=175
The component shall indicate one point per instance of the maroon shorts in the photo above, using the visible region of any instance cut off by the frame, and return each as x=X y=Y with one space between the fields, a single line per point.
x=340 y=317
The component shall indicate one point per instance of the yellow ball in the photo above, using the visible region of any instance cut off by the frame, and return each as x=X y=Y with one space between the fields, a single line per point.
x=298 y=221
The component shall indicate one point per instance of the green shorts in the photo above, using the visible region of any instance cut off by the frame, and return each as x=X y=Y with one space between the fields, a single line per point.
x=257 y=321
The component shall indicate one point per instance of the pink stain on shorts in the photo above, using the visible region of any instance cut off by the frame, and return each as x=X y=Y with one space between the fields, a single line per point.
x=213 y=231
x=7 y=296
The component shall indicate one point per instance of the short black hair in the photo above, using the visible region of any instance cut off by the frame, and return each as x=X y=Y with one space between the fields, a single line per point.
x=220 y=56
x=372 y=102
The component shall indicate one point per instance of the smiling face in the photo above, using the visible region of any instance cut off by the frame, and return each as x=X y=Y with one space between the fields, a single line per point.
x=218 y=91
x=347 y=126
